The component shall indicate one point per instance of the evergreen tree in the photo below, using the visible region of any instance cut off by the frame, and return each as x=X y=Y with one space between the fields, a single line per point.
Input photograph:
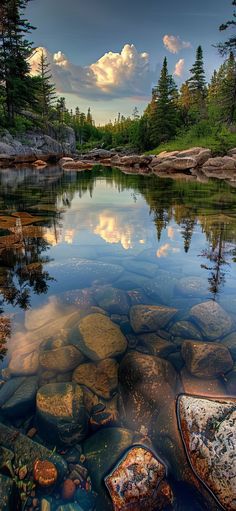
x=185 y=103
x=230 y=44
x=197 y=85
x=89 y=118
x=46 y=88
x=222 y=93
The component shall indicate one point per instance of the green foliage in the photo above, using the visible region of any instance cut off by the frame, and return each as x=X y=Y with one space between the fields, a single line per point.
x=230 y=44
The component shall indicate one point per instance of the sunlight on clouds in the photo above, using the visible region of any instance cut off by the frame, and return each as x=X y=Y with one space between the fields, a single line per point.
x=163 y=250
x=111 y=232
x=170 y=233
x=174 y=44
x=179 y=68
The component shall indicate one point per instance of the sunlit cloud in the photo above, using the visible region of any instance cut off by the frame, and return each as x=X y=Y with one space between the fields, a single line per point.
x=174 y=44
x=163 y=250
x=110 y=230
x=179 y=68
x=170 y=233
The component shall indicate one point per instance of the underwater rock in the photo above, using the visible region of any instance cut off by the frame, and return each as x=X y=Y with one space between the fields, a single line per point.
x=8 y=494
x=208 y=432
x=45 y=473
x=201 y=386
x=84 y=272
x=230 y=342
x=213 y=321
x=149 y=318
x=61 y=360
x=156 y=345
x=134 y=482
x=192 y=286
x=17 y=396
x=113 y=300
x=186 y=330
x=100 y=338
x=101 y=378
x=135 y=266
x=61 y=415
x=206 y=360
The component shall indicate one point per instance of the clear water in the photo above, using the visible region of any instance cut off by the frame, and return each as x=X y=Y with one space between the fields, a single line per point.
x=157 y=231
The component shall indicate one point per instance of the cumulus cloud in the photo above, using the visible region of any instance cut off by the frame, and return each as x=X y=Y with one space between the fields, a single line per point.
x=179 y=68
x=124 y=74
x=174 y=44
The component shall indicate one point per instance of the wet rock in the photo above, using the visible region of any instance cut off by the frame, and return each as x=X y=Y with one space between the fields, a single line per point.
x=183 y=163
x=176 y=360
x=77 y=165
x=192 y=286
x=212 y=320
x=230 y=342
x=156 y=345
x=230 y=382
x=138 y=297
x=45 y=473
x=201 y=386
x=150 y=318
x=101 y=378
x=134 y=482
x=69 y=507
x=61 y=360
x=87 y=500
x=219 y=163
x=83 y=272
x=61 y=414
x=45 y=505
x=105 y=413
x=8 y=494
x=161 y=289
x=135 y=266
x=130 y=280
x=185 y=330
x=100 y=338
x=208 y=430
x=17 y=396
x=144 y=380
x=68 y=489
x=24 y=364
x=206 y=360
x=115 y=301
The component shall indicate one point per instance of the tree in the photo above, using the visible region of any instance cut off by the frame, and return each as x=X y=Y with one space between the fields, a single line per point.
x=185 y=103
x=46 y=88
x=15 y=49
x=197 y=85
x=222 y=92
x=230 y=44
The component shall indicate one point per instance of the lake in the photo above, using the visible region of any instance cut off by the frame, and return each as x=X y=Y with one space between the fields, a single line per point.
x=117 y=296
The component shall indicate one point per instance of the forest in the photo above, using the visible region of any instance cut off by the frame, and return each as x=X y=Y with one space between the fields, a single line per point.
x=197 y=113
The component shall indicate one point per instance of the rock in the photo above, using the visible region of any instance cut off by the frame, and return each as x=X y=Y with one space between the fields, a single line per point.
x=129 y=161
x=45 y=473
x=176 y=360
x=24 y=364
x=212 y=320
x=150 y=318
x=201 y=386
x=200 y=154
x=219 y=163
x=87 y=500
x=134 y=481
x=161 y=289
x=27 y=452
x=115 y=301
x=37 y=318
x=17 y=397
x=186 y=330
x=183 y=163
x=61 y=360
x=191 y=286
x=83 y=272
x=147 y=269
x=156 y=345
x=8 y=494
x=229 y=342
x=45 y=505
x=61 y=415
x=65 y=159
x=77 y=165
x=100 y=338
x=208 y=429
x=40 y=163
x=144 y=380
x=68 y=489
x=101 y=378
x=69 y=507
x=206 y=360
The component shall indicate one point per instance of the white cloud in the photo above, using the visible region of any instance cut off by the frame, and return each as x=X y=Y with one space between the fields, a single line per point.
x=114 y=75
x=179 y=68
x=174 y=44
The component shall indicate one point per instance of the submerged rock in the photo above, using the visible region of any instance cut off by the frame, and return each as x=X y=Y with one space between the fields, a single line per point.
x=230 y=342
x=206 y=360
x=83 y=272
x=192 y=286
x=149 y=318
x=101 y=378
x=134 y=483
x=186 y=330
x=115 y=301
x=45 y=473
x=8 y=495
x=61 y=415
x=61 y=360
x=208 y=432
x=213 y=321
x=100 y=338
x=17 y=396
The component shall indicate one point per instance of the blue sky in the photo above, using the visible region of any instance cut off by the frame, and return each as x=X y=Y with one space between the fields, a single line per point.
x=107 y=54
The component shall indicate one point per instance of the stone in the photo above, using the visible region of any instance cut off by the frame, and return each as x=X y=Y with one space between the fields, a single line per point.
x=100 y=338
x=134 y=482
x=24 y=364
x=65 y=159
x=77 y=165
x=86 y=499
x=84 y=272
x=219 y=162
x=61 y=360
x=206 y=360
x=208 y=432
x=161 y=289
x=61 y=415
x=146 y=269
x=45 y=473
x=8 y=494
x=68 y=489
x=212 y=320
x=185 y=330
x=17 y=396
x=40 y=163
x=156 y=345
x=143 y=381
x=150 y=318
x=176 y=360
x=230 y=342
x=191 y=286
x=183 y=163
x=45 y=505
x=115 y=301
x=201 y=386
x=101 y=378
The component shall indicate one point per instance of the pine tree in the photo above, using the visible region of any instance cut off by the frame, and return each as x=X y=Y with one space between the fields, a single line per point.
x=230 y=44
x=185 y=103
x=89 y=118
x=46 y=88
x=197 y=85
x=222 y=92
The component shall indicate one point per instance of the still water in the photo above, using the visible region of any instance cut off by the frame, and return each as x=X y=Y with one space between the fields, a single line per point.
x=85 y=259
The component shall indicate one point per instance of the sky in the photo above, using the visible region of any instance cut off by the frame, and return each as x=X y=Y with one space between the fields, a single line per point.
x=107 y=54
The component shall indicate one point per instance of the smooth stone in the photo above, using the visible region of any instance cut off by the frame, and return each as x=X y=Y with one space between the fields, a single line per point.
x=61 y=360
x=100 y=338
x=45 y=505
x=201 y=386
x=176 y=360
x=150 y=318
x=230 y=382
x=156 y=345
x=162 y=288
x=17 y=396
x=61 y=414
x=115 y=301
x=146 y=269
x=24 y=364
x=101 y=378
x=192 y=286
x=130 y=280
x=84 y=272
x=138 y=297
x=186 y=330
x=206 y=360
x=212 y=320
x=230 y=342
x=208 y=430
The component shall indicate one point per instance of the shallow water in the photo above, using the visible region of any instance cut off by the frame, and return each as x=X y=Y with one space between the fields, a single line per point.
x=158 y=241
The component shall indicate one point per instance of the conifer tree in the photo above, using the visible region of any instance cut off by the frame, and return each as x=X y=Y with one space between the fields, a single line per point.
x=46 y=88
x=230 y=44
x=197 y=85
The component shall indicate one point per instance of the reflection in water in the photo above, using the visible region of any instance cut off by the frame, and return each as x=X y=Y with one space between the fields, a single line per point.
x=111 y=232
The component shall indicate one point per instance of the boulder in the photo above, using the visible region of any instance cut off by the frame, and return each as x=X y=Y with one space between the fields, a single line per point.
x=129 y=161
x=61 y=360
x=77 y=165
x=101 y=378
x=202 y=386
x=100 y=338
x=208 y=428
x=115 y=301
x=83 y=272
x=156 y=345
x=40 y=163
x=185 y=330
x=206 y=360
x=184 y=163
x=61 y=415
x=17 y=396
x=220 y=163
x=191 y=286
x=149 y=318
x=212 y=320
x=230 y=342
x=65 y=159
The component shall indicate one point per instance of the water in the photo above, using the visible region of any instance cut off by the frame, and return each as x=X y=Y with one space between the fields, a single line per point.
x=67 y=240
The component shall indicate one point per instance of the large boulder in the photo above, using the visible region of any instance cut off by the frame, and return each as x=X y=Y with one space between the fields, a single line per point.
x=61 y=360
x=81 y=273
x=230 y=342
x=191 y=286
x=113 y=300
x=100 y=338
x=17 y=396
x=149 y=318
x=206 y=360
x=184 y=163
x=211 y=319
x=61 y=414
x=101 y=378
x=219 y=163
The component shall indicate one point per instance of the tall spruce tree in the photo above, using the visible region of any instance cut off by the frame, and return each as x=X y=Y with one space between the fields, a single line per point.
x=163 y=108
x=197 y=85
x=230 y=44
x=222 y=92
x=46 y=88
x=14 y=52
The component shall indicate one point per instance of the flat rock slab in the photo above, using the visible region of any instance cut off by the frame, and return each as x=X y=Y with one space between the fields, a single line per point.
x=208 y=432
x=17 y=396
x=8 y=494
x=212 y=320
x=133 y=484
x=100 y=338
x=149 y=318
